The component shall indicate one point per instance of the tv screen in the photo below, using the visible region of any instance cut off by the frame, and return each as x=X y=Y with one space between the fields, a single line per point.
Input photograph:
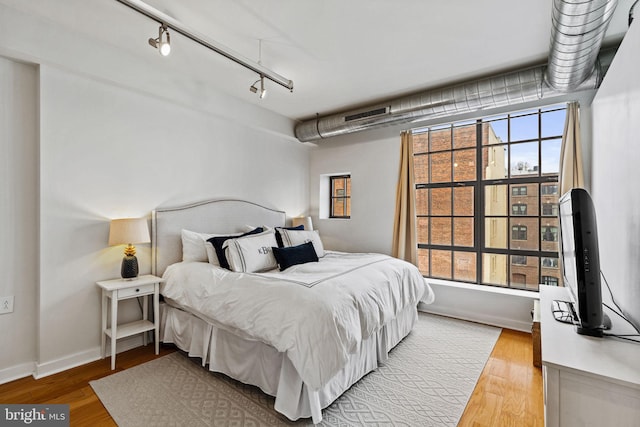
x=580 y=260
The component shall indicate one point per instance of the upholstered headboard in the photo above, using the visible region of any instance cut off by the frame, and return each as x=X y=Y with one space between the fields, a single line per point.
x=211 y=216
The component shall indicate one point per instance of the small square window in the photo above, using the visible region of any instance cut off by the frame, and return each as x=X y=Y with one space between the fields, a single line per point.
x=549 y=234
x=518 y=260
x=519 y=190
x=340 y=197
x=549 y=209
x=519 y=209
x=519 y=232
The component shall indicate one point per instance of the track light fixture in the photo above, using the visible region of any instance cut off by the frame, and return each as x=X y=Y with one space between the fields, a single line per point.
x=164 y=47
x=177 y=27
x=254 y=88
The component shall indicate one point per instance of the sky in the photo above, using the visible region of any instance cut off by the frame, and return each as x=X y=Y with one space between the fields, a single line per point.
x=525 y=127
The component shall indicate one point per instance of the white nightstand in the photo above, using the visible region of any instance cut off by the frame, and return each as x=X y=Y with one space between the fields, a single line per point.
x=120 y=289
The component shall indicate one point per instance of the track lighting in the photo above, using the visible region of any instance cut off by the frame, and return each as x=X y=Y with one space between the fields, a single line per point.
x=254 y=88
x=167 y=21
x=164 y=47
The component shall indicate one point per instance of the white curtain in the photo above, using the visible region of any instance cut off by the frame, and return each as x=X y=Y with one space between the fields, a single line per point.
x=571 y=170
x=405 y=240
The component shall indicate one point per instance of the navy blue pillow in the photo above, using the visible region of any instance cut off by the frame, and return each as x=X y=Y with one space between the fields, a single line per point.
x=218 y=241
x=279 y=237
x=286 y=257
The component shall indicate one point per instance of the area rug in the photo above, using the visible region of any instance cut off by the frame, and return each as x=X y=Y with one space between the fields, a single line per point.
x=427 y=381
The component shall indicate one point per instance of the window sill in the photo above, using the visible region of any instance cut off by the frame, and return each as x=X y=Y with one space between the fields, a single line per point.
x=482 y=288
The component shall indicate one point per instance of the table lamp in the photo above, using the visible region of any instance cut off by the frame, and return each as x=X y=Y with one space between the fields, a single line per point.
x=304 y=220
x=126 y=231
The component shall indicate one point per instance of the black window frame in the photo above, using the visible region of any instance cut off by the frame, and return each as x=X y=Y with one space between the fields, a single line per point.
x=549 y=280
x=518 y=186
x=345 y=198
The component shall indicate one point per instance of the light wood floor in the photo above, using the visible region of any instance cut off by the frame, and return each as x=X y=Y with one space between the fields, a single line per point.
x=508 y=393
x=509 y=390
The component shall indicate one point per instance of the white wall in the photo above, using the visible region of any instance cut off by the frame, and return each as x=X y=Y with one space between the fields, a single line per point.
x=109 y=135
x=18 y=215
x=616 y=156
x=109 y=152
x=372 y=183
x=373 y=159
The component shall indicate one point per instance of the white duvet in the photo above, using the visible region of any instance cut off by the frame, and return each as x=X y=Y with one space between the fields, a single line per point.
x=316 y=313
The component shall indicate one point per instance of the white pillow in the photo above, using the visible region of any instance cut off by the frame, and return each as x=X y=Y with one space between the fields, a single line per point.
x=193 y=246
x=298 y=237
x=251 y=253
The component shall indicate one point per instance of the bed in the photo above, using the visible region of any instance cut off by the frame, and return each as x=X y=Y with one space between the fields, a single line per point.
x=303 y=335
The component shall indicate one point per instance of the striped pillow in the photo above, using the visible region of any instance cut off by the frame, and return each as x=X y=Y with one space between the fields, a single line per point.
x=251 y=253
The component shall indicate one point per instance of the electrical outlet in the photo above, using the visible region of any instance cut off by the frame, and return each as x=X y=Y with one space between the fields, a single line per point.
x=6 y=305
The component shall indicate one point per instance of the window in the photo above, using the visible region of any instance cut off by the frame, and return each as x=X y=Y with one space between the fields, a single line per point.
x=550 y=209
x=340 y=198
x=548 y=262
x=486 y=198
x=519 y=260
x=550 y=280
x=518 y=209
x=519 y=232
x=550 y=234
x=519 y=191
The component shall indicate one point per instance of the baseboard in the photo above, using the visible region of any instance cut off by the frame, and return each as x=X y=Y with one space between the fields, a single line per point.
x=487 y=319
x=82 y=358
x=16 y=372
x=67 y=362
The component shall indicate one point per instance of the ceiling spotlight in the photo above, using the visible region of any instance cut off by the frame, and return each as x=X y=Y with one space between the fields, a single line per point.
x=164 y=47
x=254 y=88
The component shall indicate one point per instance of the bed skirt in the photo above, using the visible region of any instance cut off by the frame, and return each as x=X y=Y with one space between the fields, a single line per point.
x=259 y=364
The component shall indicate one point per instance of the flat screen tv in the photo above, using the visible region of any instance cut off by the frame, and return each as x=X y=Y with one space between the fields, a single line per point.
x=580 y=260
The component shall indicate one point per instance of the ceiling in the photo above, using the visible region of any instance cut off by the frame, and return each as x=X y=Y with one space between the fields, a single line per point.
x=340 y=54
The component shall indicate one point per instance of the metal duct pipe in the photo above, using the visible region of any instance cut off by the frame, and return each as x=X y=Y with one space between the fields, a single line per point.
x=578 y=29
x=505 y=89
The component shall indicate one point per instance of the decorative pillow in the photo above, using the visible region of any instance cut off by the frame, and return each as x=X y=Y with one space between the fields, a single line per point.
x=292 y=255
x=297 y=237
x=194 y=246
x=218 y=242
x=251 y=253
x=211 y=252
x=279 y=238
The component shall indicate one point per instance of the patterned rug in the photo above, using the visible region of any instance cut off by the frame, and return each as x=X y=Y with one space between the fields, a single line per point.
x=426 y=381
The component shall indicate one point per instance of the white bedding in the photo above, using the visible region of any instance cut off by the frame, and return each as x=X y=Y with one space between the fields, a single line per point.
x=316 y=313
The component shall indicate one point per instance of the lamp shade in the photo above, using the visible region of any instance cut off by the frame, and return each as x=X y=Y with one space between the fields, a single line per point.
x=304 y=220
x=128 y=230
